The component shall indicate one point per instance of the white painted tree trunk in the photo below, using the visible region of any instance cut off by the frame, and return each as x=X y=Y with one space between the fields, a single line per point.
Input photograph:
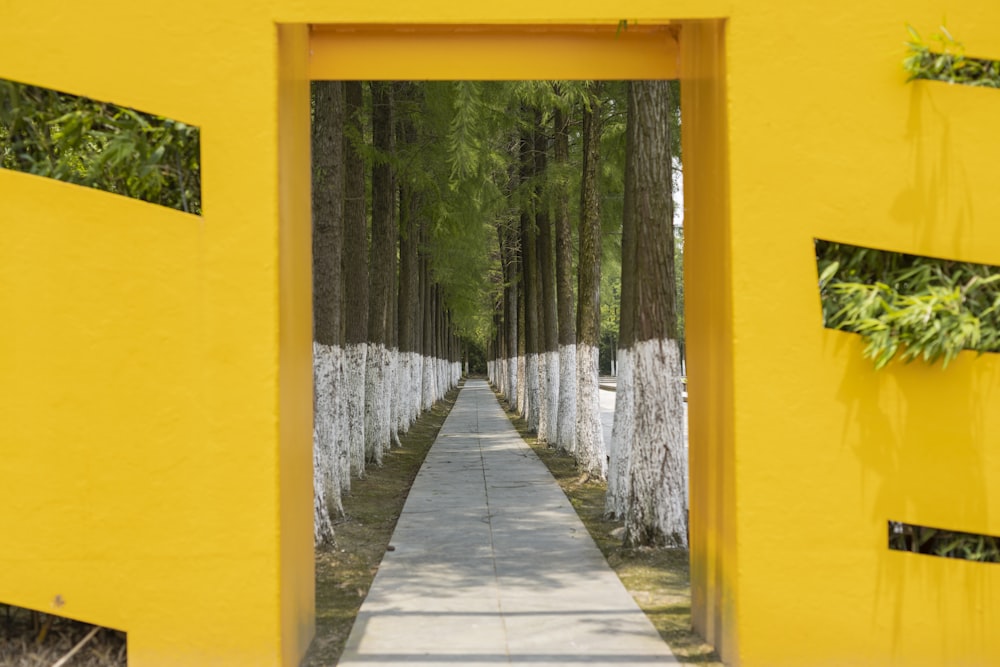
x=427 y=383
x=326 y=477
x=511 y=392
x=354 y=393
x=343 y=436
x=322 y=525
x=442 y=378
x=622 y=436
x=522 y=385
x=403 y=391
x=658 y=470
x=543 y=396
x=531 y=391
x=416 y=377
x=566 y=420
x=550 y=429
x=391 y=390
x=590 y=452
x=377 y=407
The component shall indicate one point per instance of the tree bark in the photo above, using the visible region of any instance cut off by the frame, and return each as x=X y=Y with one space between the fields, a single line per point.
x=355 y=273
x=428 y=391
x=590 y=452
x=378 y=408
x=529 y=281
x=656 y=512
x=566 y=418
x=549 y=405
x=408 y=298
x=623 y=430
x=508 y=249
x=329 y=456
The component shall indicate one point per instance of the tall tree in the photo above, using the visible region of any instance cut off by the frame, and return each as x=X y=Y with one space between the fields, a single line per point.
x=378 y=404
x=623 y=430
x=408 y=302
x=590 y=452
x=656 y=512
x=566 y=419
x=355 y=273
x=529 y=277
x=547 y=310
x=509 y=250
x=328 y=236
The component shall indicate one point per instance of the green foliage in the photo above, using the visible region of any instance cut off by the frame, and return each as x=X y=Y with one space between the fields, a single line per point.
x=100 y=145
x=913 y=306
x=943 y=58
x=944 y=543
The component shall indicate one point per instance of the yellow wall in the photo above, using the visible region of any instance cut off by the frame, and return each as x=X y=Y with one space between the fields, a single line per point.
x=156 y=393
x=154 y=453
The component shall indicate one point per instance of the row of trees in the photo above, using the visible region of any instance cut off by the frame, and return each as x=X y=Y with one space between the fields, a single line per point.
x=458 y=214
x=544 y=351
x=385 y=347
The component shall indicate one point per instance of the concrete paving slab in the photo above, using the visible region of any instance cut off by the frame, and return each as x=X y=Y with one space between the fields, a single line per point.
x=491 y=565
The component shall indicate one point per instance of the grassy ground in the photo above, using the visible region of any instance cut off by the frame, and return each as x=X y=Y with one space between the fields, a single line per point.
x=345 y=572
x=658 y=579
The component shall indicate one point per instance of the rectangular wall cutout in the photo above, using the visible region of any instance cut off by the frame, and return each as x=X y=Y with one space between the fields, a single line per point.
x=100 y=145
x=944 y=543
x=919 y=307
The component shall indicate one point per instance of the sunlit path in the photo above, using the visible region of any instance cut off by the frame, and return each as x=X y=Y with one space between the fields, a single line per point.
x=492 y=566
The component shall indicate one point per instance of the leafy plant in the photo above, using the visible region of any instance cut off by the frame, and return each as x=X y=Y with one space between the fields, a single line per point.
x=943 y=58
x=907 y=305
x=100 y=145
x=944 y=543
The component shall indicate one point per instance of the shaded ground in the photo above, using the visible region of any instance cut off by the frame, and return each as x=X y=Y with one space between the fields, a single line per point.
x=32 y=639
x=658 y=579
x=345 y=572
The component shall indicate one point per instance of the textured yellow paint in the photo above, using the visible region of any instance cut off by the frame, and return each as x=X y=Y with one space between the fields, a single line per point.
x=155 y=386
x=549 y=52
x=708 y=276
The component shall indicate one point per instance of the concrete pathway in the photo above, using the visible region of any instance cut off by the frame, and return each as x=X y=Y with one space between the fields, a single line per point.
x=492 y=566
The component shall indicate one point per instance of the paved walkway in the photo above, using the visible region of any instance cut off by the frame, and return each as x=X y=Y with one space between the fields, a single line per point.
x=492 y=566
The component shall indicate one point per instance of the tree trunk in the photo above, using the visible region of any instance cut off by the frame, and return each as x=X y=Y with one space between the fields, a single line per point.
x=529 y=282
x=508 y=247
x=408 y=300
x=623 y=431
x=590 y=452
x=549 y=405
x=656 y=512
x=566 y=419
x=427 y=290
x=355 y=272
x=328 y=238
x=378 y=407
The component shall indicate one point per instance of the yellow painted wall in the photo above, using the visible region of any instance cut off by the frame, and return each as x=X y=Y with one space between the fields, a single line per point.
x=156 y=395
x=827 y=141
x=154 y=453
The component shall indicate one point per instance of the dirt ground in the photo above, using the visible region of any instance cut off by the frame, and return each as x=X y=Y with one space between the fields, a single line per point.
x=32 y=639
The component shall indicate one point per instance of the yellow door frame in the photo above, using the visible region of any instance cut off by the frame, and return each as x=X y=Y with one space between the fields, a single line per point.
x=692 y=51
